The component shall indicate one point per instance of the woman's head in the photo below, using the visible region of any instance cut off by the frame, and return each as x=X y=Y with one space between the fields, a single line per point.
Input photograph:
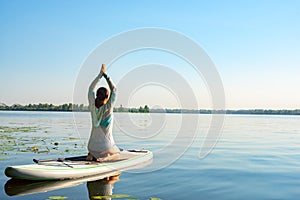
x=101 y=97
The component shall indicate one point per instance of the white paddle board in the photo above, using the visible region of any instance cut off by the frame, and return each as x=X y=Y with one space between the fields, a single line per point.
x=76 y=167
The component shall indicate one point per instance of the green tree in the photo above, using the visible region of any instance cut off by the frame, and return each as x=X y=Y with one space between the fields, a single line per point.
x=146 y=109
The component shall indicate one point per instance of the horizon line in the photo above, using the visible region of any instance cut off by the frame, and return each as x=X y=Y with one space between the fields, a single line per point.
x=186 y=109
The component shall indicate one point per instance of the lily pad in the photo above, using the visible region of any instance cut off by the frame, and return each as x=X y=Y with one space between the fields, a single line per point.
x=57 y=197
x=116 y=196
x=24 y=129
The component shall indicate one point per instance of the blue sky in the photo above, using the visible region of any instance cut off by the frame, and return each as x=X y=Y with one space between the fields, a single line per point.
x=255 y=46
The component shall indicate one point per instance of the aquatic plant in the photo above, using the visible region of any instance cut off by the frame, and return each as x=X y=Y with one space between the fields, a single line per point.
x=120 y=196
x=116 y=196
x=25 y=139
x=57 y=197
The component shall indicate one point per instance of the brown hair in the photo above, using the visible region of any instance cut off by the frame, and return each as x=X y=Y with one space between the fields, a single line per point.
x=102 y=94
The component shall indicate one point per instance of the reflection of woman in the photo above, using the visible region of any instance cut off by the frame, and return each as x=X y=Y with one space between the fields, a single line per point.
x=102 y=187
x=101 y=144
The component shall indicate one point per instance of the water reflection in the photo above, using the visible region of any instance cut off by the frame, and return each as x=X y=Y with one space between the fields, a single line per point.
x=97 y=185
x=102 y=188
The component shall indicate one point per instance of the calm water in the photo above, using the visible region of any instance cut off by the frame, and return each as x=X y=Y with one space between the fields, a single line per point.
x=256 y=157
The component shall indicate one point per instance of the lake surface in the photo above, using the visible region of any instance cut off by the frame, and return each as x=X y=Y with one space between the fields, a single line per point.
x=256 y=157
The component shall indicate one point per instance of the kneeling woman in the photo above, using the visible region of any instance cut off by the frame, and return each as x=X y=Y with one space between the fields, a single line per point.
x=101 y=144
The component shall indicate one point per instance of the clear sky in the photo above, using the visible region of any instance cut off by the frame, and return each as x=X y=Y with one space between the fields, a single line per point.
x=255 y=45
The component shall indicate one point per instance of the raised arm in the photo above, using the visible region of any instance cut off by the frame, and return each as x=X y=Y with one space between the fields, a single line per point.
x=96 y=120
x=112 y=88
x=110 y=83
x=91 y=94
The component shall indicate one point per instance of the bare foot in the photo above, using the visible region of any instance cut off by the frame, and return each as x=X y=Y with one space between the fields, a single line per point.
x=89 y=157
x=109 y=157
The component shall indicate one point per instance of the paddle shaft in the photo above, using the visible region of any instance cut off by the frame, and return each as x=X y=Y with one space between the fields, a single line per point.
x=58 y=160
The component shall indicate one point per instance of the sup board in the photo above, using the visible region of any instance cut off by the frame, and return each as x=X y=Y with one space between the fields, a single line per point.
x=76 y=167
x=19 y=187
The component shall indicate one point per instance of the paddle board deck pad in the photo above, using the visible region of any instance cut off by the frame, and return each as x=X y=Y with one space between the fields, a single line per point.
x=77 y=167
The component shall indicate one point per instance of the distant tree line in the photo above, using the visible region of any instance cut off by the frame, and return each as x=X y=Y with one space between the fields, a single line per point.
x=67 y=107
x=141 y=109
x=265 y=112
x=241 y=112
x=42 y=107
x=145 y=109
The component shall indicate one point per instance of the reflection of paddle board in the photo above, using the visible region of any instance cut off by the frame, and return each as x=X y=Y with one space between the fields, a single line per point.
x=19 y=187
x=76 y=167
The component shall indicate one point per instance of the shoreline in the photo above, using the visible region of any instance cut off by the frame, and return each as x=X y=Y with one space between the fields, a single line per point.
x=82 y=108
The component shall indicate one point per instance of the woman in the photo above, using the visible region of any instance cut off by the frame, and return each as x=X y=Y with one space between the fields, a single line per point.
x=101 y=144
